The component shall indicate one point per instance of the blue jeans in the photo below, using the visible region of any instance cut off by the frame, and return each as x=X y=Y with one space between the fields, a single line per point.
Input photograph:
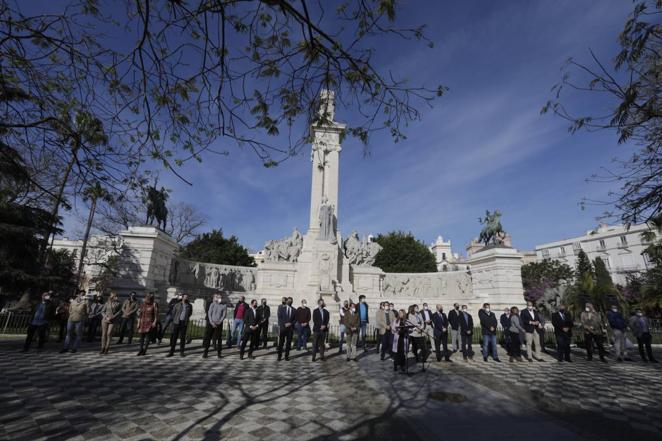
x=78 y=326
x=238 y=328
x=303 y=332
x=487 y=340
x=362 y=334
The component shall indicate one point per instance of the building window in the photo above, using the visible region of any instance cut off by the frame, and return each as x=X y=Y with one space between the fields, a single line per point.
x=545 y=254
x=577 y=247
x=602 y=245
x=624 y=241
x=607 y=263
x=443 y=256
x=562 y=252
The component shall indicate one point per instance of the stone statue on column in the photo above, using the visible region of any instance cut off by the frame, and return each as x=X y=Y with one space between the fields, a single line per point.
x=327 y=221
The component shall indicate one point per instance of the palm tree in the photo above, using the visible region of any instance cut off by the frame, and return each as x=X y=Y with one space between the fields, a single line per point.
x=91 y=194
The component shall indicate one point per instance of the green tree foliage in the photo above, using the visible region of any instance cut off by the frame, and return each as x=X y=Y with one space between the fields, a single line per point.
x=605 y=293
x=645 y=290
x=213 y=247
x=632 y=84
x=403 y=253
x=582 y=290
x=538 y=277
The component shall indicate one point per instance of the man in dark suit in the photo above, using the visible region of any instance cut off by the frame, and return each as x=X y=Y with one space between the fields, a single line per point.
x=563 y=323
x=466 y=327
x=251 y=330
x=320 y=329
x=531 y=322
x=454 y=322
x=264 y=312
x=488 y=325
x=505 y=326
x=286 y=320
x=181 y=314
x=440 y=325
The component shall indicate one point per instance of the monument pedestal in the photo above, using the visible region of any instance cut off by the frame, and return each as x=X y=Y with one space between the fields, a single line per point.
x=367 y=281
x=497 y=277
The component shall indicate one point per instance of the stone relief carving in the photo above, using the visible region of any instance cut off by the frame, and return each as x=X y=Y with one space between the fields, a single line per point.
x=427 y=284
x=286 y=249
x=361 y=253
x=222 y=277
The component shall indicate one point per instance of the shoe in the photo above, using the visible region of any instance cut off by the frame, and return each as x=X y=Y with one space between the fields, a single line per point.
x=241 y=357
x=354 y=360
x=251 y=357
x=181 y=354
x=568 y=360
x=627 y=359
x=73 y=351
x=140 y=352
x=497 y=360
x=287 y=358
x=170 y=354
x=645 y=360
x=602 y=359
x=540 y=360
x=529 y=360
x=449 y=360
x=485 y=359
x=589 y=358
x=322 y=359
x=619 y=360
x=101 y=352
x=465 y=359
x=313 y=359
x=62 y=351
x=218 y=355
x=279 y=359
x=510 y=359
x=205 y=355
x=347 y=358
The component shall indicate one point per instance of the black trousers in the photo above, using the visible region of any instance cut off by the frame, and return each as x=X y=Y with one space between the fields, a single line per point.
x=63 y=328
x=420 y=344
x=215 y=334
x=250 y=336
x=126 y=325
x=145 y=339
x=319 y=338
x=386 y=340
x=40 y=330
x=645 y=341
x=541 y=339
x=466 y=345
x=93 y=328
x=285 y=339
x=441 y=340
x=515 y=345
x=263 y=331
x=589 y=339
x=562 y=346
x=178 y=332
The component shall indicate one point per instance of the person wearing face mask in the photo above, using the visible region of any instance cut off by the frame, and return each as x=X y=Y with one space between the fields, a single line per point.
x=238 y=322
x=352 y=324
x=110 y=314
x=148 y=316
x=454 y=321
x=429 y=331
x=641 y=329
x=94 y=317
x=563 y=323
x=42 y=313
x=181 y=314
x=400 y=341
x=251 y=326
x=466 y=328
x=320 y=329
x=593 y=332
x=364 y=320
x=168 y=317
x=383 y=321
x=263 y=312
x=62 y=316
x=504 y=320
x=286 y=319
x=440 y=325
x=515 y=331
x=344 y=308
x=530 y=321
x=303 y=326
x=214 y=330
x=418 y=334
x=129 y=310
x=488 y=325
x=618 y=326
x=77 y=316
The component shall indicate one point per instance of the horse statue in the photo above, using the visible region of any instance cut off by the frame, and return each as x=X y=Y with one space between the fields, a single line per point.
x=155 y=200
x=492 y=232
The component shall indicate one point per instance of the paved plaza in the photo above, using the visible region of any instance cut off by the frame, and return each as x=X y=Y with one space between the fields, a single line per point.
x=47 y=395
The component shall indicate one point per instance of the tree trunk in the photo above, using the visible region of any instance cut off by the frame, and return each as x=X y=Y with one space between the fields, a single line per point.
x=56 y=208
x=83 y=250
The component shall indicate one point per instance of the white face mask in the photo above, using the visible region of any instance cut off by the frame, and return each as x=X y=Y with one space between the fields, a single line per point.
x=487 y=309
x=387 y=308
x=530 y=308
x=303 y=304
x=587 y=309
x=47 y=297
x=639 y=314
x=614 y=309
x=464 y=309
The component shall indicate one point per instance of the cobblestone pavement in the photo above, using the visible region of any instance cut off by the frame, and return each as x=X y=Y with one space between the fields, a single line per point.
x=47 y=395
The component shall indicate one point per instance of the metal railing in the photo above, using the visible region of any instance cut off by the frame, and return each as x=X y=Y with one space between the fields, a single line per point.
x=13 y=323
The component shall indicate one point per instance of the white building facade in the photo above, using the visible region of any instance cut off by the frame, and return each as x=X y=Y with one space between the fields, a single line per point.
x=618 y=246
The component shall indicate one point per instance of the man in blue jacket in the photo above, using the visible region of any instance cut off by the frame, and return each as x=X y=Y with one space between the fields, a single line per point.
x=618 y=326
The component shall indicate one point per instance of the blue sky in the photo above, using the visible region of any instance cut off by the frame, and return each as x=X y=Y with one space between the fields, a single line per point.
x=483 y=145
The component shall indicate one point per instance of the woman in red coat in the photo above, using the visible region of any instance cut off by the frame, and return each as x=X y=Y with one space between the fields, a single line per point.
x=149 y=316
